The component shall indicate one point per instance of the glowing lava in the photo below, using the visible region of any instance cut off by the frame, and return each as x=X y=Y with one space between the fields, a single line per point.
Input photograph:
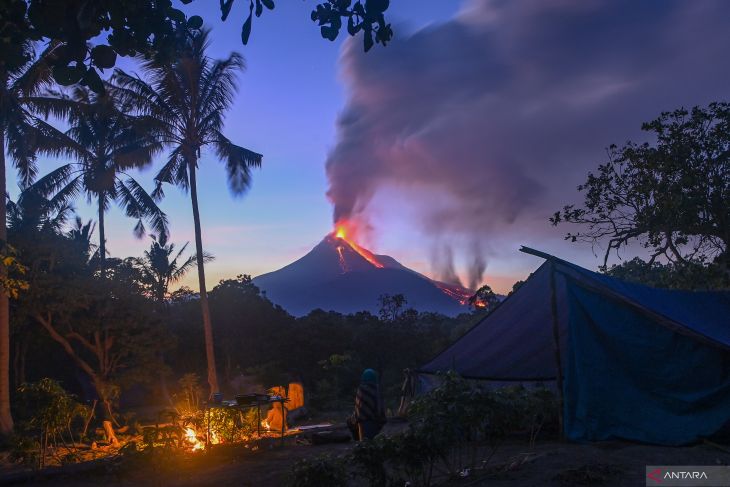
x=458 y=293
x=342 y=234
x=343 y=263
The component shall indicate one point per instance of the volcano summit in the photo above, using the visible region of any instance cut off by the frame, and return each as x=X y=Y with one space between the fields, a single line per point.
x=341 y=276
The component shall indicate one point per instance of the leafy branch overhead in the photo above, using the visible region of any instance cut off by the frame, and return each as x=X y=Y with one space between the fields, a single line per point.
x=151 y=28
x=368 y=18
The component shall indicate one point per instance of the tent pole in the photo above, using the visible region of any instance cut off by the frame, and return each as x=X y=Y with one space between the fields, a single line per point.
x=556 y=342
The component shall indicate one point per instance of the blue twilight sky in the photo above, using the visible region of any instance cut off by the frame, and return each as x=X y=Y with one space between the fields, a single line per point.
x=457 y=140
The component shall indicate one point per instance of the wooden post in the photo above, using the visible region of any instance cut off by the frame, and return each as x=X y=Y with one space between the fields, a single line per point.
x=283 y=421
x=207 y=426
x=556 y=341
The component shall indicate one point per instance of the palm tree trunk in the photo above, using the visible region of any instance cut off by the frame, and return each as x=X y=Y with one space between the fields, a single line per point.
x=6 y=419
x=207 y=324
x=102 y=238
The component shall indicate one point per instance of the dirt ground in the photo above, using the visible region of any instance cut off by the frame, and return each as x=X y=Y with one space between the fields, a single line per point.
x=548 y=464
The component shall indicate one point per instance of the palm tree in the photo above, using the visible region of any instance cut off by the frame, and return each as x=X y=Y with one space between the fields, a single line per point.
x=189 y=98
x=106 y=141
x=32 y=212
x=80 y=234
x=23 y=78
x=160 y=268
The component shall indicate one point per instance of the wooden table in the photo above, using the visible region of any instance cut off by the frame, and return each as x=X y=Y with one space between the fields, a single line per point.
x=244 y=407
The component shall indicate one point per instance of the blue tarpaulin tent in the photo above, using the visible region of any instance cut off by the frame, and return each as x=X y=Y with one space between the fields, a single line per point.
x=638 y=363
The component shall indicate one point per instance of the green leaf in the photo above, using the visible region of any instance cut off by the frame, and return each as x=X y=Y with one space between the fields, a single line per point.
x=368 y=40
x=259 y=8
x=246 y=30
x=103 y=56
x=195 y=22
x=226 y=8
x=67 y=75
x=353 y=29
x=268 y=4
x=176 y=15
x=376 y=6
x=93 y=80
x=329 y=32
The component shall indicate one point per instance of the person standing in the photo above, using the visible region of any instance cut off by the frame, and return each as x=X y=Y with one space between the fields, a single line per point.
x=369 y=407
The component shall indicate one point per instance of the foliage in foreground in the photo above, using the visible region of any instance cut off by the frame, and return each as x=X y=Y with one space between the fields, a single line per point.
x=45 y=413
x=456 y=427
x=320 y=471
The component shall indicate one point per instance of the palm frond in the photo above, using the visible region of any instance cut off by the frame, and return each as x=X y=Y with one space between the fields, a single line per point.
x=53 y=181
x=50 y=105
x=38 y=74
x=139 y=204
x=64 y=196
x=21 y=138
x=238 y=161
x=173 y=172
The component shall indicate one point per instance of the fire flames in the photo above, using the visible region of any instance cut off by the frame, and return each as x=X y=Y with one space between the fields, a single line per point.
x=343 y=231
x=192 y=438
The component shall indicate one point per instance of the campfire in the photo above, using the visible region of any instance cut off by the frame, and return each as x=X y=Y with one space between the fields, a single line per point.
x=192 y=438
x=249 y=417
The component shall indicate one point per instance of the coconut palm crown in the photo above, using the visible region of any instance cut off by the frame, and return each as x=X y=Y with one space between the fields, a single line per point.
x=107 y=142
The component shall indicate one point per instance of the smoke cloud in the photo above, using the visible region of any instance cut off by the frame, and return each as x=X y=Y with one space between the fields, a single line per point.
x=490 y=120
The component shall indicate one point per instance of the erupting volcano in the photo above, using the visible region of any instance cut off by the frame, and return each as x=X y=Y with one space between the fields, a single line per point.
x=340 y=275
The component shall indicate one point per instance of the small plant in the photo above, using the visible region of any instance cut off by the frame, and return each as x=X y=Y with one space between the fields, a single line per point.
x=370 y=458
x=45 y=413
x=231 y=425
x=190 y=396
x=320 y=471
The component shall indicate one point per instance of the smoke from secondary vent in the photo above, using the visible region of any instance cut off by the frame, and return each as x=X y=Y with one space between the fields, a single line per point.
x=490 y=120
x=477 y=267
x=442 y=260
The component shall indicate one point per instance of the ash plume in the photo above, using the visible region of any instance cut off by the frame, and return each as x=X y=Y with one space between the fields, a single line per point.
x=490 y=120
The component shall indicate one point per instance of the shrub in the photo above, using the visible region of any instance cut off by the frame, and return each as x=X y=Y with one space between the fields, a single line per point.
x=320 y=471
x=45 y=412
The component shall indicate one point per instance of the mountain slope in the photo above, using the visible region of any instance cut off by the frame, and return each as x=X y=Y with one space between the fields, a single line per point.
x=339 y=275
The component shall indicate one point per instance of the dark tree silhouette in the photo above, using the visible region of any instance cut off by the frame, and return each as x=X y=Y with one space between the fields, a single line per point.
x=484 y=297
x=106 y=142
x=161 y=266
x=23 y=78
x=189 y=99
x=671 y=196
x=391 y=306
x=151 y=28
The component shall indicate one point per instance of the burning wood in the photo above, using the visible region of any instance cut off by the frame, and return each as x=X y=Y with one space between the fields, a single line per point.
x=192 y=438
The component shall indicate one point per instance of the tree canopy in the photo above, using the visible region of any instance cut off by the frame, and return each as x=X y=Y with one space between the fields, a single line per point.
x=671 y=196
x=102 y=30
